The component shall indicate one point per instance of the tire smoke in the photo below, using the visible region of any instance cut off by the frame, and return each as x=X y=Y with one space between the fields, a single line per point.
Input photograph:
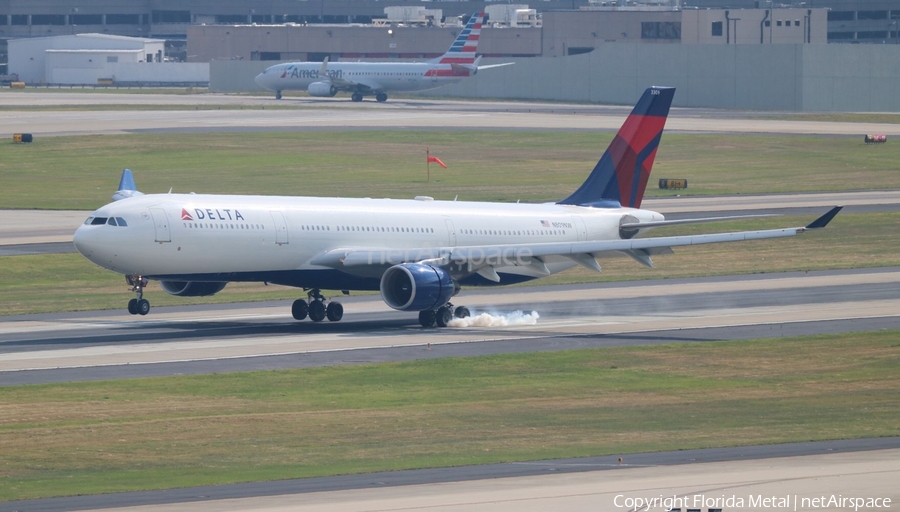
x=496 y=319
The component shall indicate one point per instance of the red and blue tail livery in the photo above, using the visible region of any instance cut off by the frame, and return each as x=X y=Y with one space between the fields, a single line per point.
x=620 y=177
x=463 y=49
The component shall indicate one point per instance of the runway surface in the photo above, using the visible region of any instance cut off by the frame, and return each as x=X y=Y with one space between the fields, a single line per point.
x=850 y=468
x=169 y=341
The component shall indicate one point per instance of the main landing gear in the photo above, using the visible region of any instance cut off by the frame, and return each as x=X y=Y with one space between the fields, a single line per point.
x=380 y=97
x=277 y=95
x=316 y=309
x=138 y=305
x=442 y=315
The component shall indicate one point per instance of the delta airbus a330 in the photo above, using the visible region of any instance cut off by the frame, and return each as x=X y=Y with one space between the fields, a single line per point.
x=378 y=78
x=417 y=253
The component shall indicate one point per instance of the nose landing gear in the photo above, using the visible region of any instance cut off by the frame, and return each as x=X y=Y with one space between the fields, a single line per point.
x=138 y=305
x=316 y=309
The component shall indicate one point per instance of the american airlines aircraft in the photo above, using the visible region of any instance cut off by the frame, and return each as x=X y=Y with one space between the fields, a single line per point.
x=417 y=253
x=377 y=78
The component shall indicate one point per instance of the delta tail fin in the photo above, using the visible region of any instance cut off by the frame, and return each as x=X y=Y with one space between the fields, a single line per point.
x=463 y=49
x=620 y=177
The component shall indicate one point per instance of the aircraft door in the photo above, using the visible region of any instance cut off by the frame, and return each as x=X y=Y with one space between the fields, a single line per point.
x=161 y=223
x=451 y=231
x=281 y=231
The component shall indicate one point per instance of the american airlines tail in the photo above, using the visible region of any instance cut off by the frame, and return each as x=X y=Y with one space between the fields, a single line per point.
x=463 y=49
x=620 y=177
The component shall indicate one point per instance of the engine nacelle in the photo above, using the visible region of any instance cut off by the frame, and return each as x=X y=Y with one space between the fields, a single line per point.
x=416 y=287
x=321 y=89
x=628 y=233
x=191 y=288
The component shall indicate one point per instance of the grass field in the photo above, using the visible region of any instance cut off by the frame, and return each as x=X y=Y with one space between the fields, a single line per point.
x=66 y=282
x=82 y=172
x=75 y=438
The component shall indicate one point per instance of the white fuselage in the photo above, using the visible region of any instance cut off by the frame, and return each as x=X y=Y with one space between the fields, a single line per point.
x=377 y=76
x=276 y=239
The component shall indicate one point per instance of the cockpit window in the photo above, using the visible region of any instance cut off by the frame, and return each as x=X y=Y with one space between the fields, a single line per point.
x=121 y=221
x=98 y=221
x=111 y=221
x=88 y=221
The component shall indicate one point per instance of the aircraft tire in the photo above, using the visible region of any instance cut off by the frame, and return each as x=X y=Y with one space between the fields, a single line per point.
x=299 y=309
x=317 y=311
x=334 y=311
x=143 y=307
x=357 y=97
x=443 y=316
x=132 y=306
x=381 y=97
x=462 y=312
x=426 y=318
x=277 y=95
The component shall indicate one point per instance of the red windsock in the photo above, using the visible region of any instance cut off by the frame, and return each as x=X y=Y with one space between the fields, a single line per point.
x=434 y=159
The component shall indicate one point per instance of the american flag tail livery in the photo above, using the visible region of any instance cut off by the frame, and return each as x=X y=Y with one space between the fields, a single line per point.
x=621 y=175
x=462 y=51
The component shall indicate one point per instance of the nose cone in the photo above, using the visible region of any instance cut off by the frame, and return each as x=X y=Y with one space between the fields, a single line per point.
x=261 y=80
x=85 y=239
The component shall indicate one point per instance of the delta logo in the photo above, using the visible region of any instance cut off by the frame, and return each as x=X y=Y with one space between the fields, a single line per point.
x=211 y=214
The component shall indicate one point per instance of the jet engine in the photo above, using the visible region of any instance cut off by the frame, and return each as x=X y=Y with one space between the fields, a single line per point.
x=321 y=89
x=626 y=233
x=416 y=287
x=191 y=288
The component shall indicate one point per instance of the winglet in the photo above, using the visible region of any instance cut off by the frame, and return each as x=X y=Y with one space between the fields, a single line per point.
x=323 y=71
x=127 y=188
x=823 y=221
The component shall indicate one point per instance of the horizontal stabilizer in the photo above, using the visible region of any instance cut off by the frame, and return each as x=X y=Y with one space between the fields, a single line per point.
x=489 y=66
x=661 y=223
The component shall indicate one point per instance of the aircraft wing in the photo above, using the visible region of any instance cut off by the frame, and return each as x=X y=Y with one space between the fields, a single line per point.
x=479 y=257
x=344 y=85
